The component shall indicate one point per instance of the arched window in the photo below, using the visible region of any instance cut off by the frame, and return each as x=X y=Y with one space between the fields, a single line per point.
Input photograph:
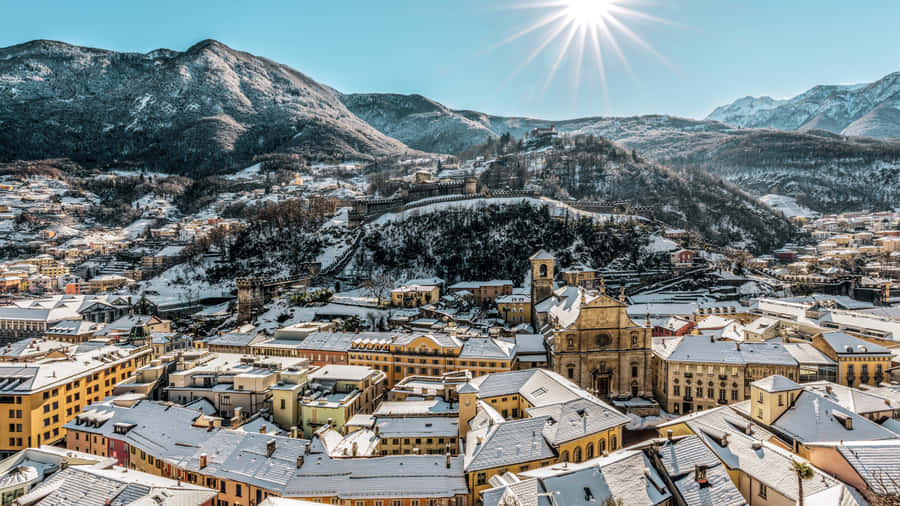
x=603 y=340
x=601 y=447
x=634 y=339
x=571 y=343
x=571 y=372
x=577 y=454
x=589 y=451
x=565 y=456
x=543 y=270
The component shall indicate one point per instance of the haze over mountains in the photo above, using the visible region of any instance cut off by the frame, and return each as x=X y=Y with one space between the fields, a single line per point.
x=211 y=109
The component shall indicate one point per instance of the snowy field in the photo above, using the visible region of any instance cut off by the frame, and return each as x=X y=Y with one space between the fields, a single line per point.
x=556 y=209
x=788 y=206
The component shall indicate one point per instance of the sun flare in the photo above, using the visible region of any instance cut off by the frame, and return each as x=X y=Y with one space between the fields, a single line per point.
x=584 y=29
x=588 y=12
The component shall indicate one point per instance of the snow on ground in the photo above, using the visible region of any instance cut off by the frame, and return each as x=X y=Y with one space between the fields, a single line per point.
x=185 y=282
x=357 y=296
x=660 y=244
x=788 y=206
x=557 y=208
x=129 y=173
x=268 y=321
x=251 y=172
x=137 y=228
x=338 y=245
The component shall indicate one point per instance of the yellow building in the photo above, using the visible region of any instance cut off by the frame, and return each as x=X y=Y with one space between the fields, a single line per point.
x=42 y=397
x=414 y=295
x=53 y=270
x=522 y=420
x=514 y=309
x=859 y=361
x=696 y=372
x=434 y=354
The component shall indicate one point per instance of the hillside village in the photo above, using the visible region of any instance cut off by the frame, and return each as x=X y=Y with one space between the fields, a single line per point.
x=320 y=313
x=699 y=375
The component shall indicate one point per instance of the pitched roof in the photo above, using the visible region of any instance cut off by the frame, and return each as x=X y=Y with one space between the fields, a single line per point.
x=576 y=419
x=541 y=255
x=626 y=475
x=814 y=418
x=876 y=463
x=843 y=343
x=775 y=383
x=511 y=442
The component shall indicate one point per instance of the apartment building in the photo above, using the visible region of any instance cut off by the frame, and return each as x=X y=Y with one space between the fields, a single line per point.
x=42 y=396
x=430 y=354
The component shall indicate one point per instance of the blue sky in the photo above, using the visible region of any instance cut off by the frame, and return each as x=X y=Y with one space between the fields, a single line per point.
x=717 y=50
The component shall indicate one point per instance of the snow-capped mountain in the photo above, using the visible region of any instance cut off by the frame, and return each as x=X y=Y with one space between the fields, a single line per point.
x=823 y=171
x=206 y=109
x=870 y=110
x=417 y=121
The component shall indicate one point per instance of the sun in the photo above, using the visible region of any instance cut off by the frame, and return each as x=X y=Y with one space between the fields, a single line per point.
x=588 y=13
x=589 y=29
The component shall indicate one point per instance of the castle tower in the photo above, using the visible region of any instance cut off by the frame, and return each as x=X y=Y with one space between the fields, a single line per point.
x=541 y=276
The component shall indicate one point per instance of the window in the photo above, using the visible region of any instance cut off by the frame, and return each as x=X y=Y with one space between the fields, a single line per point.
x=634 y=371
x=480 y=478
x=676 y=390
x=780 y=400
x=734 y=395
x=238 y=490
x=612 y=443
x=283 y=404
x=571 y=372
x=763 y=490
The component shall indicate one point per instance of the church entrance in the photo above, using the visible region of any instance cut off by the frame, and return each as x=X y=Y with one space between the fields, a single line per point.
x=600 y=383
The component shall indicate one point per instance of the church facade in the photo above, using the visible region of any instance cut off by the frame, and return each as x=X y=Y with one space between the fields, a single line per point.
x=592 y=340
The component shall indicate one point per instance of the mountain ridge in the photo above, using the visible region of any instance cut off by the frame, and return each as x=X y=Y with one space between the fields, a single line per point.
x=206 y=109
x=861 y=110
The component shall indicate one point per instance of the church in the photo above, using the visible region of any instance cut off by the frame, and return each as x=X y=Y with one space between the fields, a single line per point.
x=591 y=339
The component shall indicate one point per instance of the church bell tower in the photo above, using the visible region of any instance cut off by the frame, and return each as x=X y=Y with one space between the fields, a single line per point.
x=542 y=264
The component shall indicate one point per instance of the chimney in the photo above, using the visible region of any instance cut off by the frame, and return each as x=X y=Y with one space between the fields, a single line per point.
x=712 y=339
x=262 y=429
x=202 y=461
x=299 y=461
x=828 y=389
x=270 y=448
x=738 y=345
x=294 y=432
x=669 y=435
x=700 y=474
x=331 y=423
x=447 y=459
